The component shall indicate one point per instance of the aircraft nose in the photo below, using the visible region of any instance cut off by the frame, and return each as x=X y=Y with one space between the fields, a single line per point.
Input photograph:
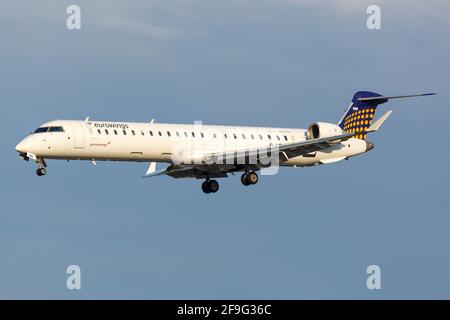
x=25 y=145
x=369 y=146
x=21 y=147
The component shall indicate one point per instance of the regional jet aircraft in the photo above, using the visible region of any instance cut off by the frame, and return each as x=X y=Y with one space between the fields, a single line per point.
x=208 y=152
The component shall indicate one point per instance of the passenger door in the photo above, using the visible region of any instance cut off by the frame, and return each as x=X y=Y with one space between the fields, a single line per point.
x=79 y=135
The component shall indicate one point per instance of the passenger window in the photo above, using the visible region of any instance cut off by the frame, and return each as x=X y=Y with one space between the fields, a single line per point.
x=268 y=136
x=214 y=136
x=193 y=134
x=124 y=132
x=234 y=135
x=106 y=131
x=99 y=132
x=278 y=138
x=201 y=134
x=115 y=132
x=261 y=137
x=168 y=133
x=133 y=133
x=142 y=133
x=243 y=136
x=252 y=136
x=151 y=133
x=159 y=133
x=285 y=138
x=225 y=135
x=185 y=134
x=177 y=133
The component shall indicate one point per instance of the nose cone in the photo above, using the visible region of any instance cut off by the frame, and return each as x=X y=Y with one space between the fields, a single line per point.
x=21 y=147
x=369 y=146
x=26 y=145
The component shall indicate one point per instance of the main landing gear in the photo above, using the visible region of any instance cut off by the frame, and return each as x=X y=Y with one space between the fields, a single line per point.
x=210 y=186
x=249 y=178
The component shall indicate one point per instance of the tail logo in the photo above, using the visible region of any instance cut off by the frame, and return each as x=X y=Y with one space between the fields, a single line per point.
x=359 y=115
x=359 y=121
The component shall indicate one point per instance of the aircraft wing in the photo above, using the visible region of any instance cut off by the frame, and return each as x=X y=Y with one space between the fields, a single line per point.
x=217 y=165
x=284 y=151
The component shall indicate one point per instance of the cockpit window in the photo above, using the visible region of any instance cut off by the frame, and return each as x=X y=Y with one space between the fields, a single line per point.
x=56 y=129
x=49 y=129
x=41 y=129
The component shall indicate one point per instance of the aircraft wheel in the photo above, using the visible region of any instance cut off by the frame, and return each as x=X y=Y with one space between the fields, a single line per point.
x=244 y=179
x=41 y=171
x=213 y=186
x=252 y=178
x=205 y=187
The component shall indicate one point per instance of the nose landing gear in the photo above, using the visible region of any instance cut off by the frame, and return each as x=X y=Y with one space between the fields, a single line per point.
x=249 y=178
x=210 y=186
x=41 y=171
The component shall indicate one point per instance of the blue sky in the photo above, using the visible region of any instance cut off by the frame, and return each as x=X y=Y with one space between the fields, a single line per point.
x=303 y=233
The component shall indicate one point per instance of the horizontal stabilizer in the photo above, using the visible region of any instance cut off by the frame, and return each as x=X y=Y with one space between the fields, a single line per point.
x=395 y=97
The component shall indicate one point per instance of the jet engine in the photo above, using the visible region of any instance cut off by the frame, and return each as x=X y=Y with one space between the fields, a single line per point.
x=319 y=130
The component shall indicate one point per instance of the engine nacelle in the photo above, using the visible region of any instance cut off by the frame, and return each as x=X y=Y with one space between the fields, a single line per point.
x=319 y=130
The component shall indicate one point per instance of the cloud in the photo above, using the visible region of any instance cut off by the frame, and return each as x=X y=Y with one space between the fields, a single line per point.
x=138 y=27
x=341 y=4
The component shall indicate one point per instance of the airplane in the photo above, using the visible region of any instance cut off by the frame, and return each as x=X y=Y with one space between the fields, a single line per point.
x=205 y=151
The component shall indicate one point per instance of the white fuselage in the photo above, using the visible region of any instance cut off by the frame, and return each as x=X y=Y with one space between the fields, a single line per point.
x=130 y=141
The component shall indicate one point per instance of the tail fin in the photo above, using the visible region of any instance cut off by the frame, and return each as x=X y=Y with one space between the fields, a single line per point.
x=359 y=115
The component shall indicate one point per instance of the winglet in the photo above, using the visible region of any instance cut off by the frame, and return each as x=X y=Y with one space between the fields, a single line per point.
x=151 y=168
x=155 y=173
x=377 y=124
